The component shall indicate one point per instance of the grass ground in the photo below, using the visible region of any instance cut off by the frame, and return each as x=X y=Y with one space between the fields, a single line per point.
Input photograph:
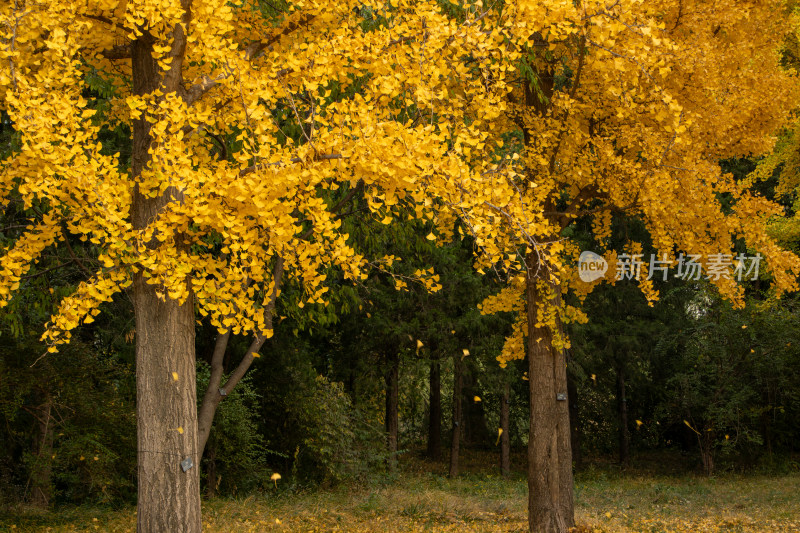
x=421 y=498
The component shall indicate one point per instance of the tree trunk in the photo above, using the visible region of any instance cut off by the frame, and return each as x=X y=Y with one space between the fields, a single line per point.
x=41 y=473
x=435 y=411
x=166 y=410
x=458 y=383
x=546 y=446
x=392 y=393
x=505 y=437
x=211 y=472
x=473 y=416
x=622 y=406
x=574 y=422
x=166 y=406
x=565 y=479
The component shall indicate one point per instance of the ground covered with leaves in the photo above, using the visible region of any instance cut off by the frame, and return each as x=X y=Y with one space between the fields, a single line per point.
x=416 y=499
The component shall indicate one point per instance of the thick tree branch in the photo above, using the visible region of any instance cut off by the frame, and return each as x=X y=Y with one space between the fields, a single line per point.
x=215 y=393
x=254 y=49
x=212 y=395
x=120 y=51
x=196 y=91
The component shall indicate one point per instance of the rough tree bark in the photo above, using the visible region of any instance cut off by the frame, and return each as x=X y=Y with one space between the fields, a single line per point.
x=435 y=412
x=392 y=395
x=565 y=479
x=166 y=407
x=455 y=443
x=505 y=437
x=549 y=464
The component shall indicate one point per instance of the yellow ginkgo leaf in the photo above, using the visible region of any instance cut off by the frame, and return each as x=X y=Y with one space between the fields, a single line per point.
x=180 y=430
x=477 y=398
x=275 y=477
x=639 y=424
x=690 y=426
x=419 y=344
x=594 y=378
x=175 y=376
x=431 y=237
x=466 y=353
x=256 y=354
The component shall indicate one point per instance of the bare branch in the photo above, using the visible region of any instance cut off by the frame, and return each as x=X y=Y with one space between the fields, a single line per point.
x=196 y=91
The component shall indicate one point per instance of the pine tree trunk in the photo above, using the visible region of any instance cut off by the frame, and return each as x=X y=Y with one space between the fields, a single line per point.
x=457 y=415
x=545 y=448
x=474 y=430
x=622 y=405
x=505 y=437
x=435 y=412
x=41 y=473
x=166 y=406
x=392 y=394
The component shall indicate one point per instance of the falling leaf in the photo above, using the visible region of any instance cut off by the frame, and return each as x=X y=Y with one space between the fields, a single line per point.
x=499 y=434
x=175 y=376
x=275 y=477
x=95 y=458
x=419 y=344
x=180 y=430
x=256 y=354
x=639 y=424
x=477 y=398
x=690 y=426
x=594 y=378
x=744 y=326
x=465 y=352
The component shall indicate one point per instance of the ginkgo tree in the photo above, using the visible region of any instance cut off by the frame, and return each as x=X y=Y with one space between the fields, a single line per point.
x=617 y=106
x=248 y=121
